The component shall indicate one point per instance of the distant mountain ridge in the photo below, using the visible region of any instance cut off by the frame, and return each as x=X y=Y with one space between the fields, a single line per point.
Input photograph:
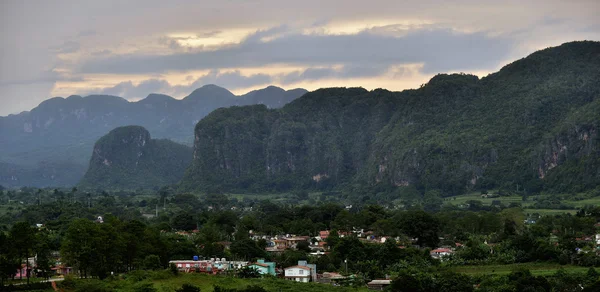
x=36 y=146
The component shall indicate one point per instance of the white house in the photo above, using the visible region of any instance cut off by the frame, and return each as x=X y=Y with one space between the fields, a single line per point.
x=303 y=272
x=298 y=273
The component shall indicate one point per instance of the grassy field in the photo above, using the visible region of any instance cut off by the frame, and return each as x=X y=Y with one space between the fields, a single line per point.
x=207 y=282
x=579 y=204
x=541 y=269
x=165 y=282
x=545 y=212
x=463 y=199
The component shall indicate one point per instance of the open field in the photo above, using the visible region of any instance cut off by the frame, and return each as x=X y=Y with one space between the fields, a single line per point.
x=545 y=212
x=207 y=282
x=462 y=199
x=579 y=204
x=537 y=269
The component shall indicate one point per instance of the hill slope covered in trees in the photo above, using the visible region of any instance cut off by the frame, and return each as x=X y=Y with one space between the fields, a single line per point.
x=531 y=126
x=127 y=158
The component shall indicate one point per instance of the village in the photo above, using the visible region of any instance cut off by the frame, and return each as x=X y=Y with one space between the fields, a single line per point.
x=303 y=271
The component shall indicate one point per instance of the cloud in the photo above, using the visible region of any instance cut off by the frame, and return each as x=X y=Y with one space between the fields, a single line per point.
x=101 y=53
x=128 y=90
x=68 y=47
x=87 y=33
x=229 y=80
x=440 y=50
x=347 y=71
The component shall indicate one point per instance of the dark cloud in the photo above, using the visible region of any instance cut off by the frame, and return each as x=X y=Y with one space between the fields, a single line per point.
x=347 y=71
x=440 y=50
x=128 y=90
x=229 y=80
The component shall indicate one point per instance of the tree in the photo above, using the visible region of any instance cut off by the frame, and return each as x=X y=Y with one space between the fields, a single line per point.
x=421 y=225
x=246 y=249
x=184 y=221
x=43 y=254
x=9 y=260
x=303 y=246
x=248 y=272
x=152 y=262
x=432 y=200
x=23 y=237
x=414 y=281
x=453 y=282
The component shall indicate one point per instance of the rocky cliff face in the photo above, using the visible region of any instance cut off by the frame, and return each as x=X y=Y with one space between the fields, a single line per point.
x=455 y=133
x=127 y=158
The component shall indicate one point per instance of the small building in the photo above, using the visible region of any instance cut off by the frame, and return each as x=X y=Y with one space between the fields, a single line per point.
x=61 y=270
x=298 y=273
x=439 y=253
x=303 y=272
x=331 y=278
x=379 y=285
x=264 y=268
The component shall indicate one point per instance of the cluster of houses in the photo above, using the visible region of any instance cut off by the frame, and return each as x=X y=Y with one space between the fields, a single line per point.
x=302 y=272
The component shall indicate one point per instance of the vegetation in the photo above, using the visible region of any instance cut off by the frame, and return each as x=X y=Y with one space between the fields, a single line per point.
x=529 y=128
x=126 y=158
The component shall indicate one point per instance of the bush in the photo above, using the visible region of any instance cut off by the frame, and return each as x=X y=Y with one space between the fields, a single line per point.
x=144 y=286
x=188 y=288
x=152 y=262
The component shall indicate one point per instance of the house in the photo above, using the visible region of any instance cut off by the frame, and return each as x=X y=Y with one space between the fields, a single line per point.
x=439 y=253
x=379 y=285
x=61 y=270
x=298 y=273
x=324 y=234
x=264 y=268
x=331 y=278
x=210 y=266
x=303 y=272
x=292 y=242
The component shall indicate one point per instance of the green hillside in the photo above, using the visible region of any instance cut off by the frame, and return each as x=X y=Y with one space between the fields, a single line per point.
x=127 y=158
x=531 y=127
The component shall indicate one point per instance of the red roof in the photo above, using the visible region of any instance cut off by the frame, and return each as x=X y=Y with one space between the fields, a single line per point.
x=438 y=250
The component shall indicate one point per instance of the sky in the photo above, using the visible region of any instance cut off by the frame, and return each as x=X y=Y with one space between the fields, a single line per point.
x=133 y=48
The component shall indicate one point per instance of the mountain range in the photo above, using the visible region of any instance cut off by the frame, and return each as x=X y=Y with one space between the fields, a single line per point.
x=530 y=127
x=52 y=144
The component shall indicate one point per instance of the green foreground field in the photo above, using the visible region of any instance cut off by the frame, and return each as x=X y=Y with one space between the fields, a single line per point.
x=207 y=282
x=537 y=269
